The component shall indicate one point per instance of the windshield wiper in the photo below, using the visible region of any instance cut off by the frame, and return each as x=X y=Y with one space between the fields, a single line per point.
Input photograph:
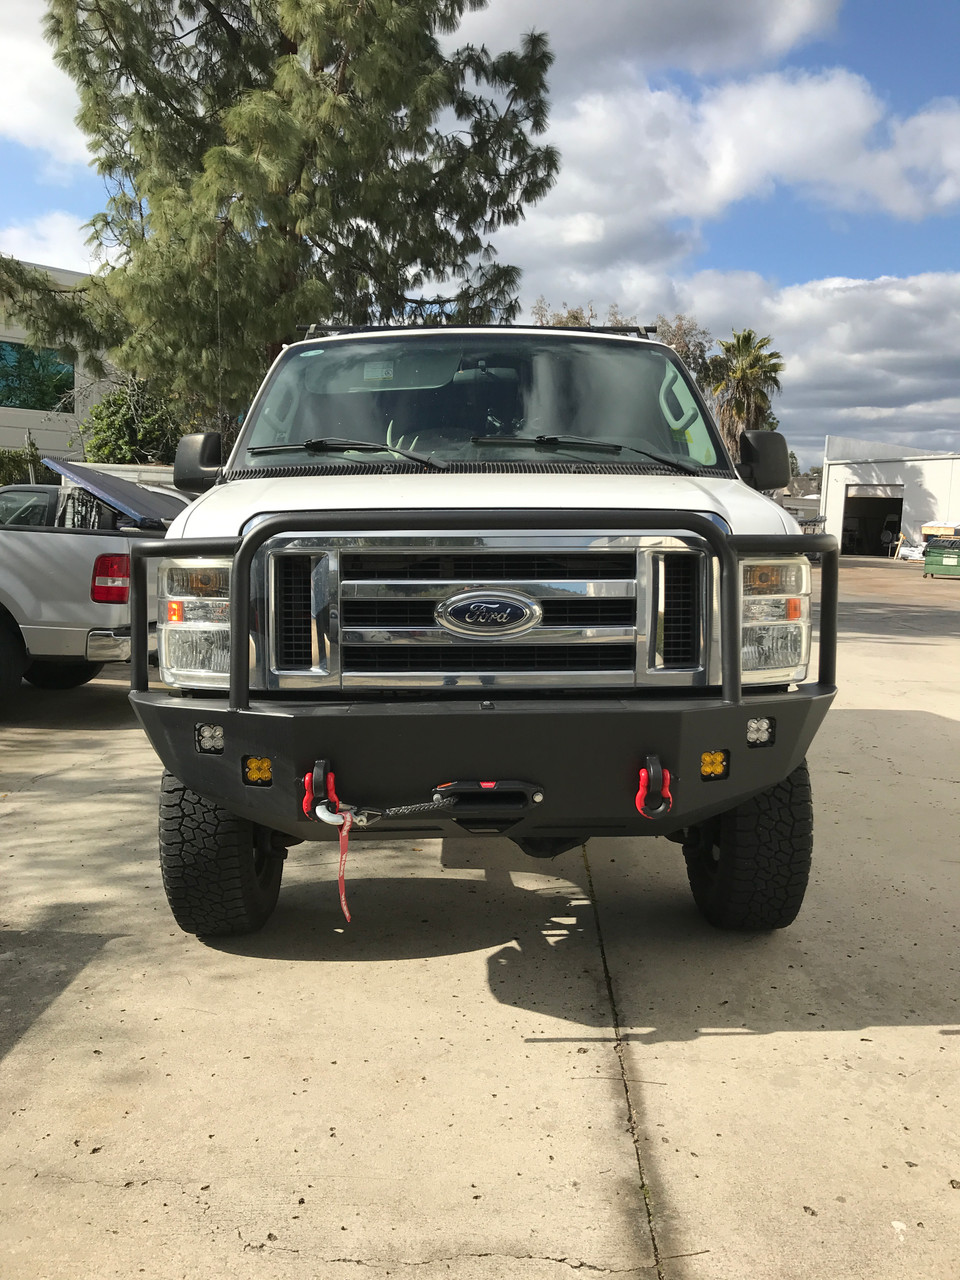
x=346 y=446
x=585 y=442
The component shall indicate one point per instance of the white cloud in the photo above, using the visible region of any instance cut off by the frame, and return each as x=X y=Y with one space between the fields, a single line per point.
x=52 y=240
x=874 y=359
x=702 y=36
x=37 y=100
x=644 y=169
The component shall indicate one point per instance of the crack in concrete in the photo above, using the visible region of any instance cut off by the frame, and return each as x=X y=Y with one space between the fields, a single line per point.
x=126 y=1185
x=618 y=1049
x=574 y=1265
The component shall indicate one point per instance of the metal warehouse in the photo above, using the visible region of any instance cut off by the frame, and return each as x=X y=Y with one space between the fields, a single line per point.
x=872 y=492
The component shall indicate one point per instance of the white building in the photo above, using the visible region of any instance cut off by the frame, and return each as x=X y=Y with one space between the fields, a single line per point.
x=53 y=427
x=872 y=492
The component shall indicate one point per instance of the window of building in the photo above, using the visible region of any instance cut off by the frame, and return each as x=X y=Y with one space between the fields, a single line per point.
x=34 y=379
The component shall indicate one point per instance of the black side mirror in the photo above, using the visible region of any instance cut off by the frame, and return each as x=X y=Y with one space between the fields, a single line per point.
x=764 y=460
x=196 y=466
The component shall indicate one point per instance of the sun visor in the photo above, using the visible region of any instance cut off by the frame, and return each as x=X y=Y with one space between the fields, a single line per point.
x=149 y=509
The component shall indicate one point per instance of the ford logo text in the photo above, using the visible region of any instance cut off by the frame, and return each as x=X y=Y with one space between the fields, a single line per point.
x=481 y=613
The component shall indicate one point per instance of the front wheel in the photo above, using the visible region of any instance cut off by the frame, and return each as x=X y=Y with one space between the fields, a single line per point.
x=748 y=868
x=221 y=874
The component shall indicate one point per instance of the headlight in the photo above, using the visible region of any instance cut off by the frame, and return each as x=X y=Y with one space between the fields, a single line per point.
x=193 y=623
x=775 y=620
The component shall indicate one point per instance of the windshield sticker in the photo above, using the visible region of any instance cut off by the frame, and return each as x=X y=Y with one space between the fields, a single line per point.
x=378 y=371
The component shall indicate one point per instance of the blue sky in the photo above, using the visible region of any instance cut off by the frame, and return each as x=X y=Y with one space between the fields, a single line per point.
x=792 y=167
x=910 y=55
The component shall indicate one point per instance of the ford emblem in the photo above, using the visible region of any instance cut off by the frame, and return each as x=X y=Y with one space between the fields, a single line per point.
x=488 y=614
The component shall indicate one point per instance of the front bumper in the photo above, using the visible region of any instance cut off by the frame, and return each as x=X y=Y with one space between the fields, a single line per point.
x=583 y=754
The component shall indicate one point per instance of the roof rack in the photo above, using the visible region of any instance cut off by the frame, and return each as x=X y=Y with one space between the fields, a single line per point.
x=332 y=329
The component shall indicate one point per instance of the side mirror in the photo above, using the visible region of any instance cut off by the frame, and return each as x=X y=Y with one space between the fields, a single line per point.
x=764 y=460
x=196 y=466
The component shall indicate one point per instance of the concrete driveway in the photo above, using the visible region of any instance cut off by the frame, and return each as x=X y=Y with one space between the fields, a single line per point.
x=501 y=1068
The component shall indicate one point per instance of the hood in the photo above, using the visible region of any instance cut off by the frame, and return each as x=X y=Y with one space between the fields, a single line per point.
x=148 y=508
x=226 y=509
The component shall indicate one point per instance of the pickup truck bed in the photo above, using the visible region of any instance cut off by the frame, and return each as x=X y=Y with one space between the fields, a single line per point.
x=64 y=591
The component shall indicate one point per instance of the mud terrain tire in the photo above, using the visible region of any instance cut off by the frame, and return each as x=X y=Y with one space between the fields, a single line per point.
x=221 y=873
x=748 y=868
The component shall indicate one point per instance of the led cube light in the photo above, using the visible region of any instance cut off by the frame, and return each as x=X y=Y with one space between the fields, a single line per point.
x=714 y=764
x=761 y=731
x=257 y=771
x=208 y=739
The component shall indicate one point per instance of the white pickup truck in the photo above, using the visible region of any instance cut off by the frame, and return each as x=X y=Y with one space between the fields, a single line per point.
x=65 y=574
x=502 y=581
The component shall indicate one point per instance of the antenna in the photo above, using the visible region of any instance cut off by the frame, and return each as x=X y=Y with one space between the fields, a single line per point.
x=216 y=258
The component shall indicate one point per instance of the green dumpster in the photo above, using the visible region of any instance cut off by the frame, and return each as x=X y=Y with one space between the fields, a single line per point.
x=941 y=558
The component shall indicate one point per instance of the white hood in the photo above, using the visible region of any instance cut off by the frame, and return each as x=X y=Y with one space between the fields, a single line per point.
x=224 y=510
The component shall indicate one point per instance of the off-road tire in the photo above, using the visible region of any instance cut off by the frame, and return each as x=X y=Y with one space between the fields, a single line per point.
x=221 y=874
x=748 y=868
x=61 y=675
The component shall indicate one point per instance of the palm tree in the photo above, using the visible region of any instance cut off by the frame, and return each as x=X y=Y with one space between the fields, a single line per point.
x=742 y=378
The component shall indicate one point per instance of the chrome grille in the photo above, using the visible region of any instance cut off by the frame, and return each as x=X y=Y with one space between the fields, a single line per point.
x=556 y=613
x=294 y=619
x=681 y=610
x=486 y=657
x=360 y=611
x=515 y=566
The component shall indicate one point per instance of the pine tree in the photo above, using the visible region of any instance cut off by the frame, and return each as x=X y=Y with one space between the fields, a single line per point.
x=275 y=162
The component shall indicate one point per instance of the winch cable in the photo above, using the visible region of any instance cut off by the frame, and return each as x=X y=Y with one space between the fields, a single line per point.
x=343 y=816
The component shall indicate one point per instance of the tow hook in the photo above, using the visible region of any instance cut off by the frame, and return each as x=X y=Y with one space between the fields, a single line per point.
x=321 y=803
x=653 y=794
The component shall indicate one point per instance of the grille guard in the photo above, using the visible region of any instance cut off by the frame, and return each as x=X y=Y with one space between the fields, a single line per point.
x=726 y=547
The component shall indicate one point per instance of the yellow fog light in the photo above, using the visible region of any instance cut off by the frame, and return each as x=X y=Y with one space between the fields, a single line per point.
x=714 y=764
x=257 y=771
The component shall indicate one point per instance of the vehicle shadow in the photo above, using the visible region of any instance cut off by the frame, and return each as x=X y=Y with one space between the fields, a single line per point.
x=875 y=944
x=100 y=705
x=417 y=915
x=36 y=967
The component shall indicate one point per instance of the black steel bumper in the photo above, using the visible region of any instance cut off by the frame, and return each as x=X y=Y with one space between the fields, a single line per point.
x=583 y=754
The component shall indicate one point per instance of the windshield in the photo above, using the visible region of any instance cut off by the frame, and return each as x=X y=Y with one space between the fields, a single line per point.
x=478 y=398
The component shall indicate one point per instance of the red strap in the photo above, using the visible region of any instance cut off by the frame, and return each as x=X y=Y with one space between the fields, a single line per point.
x=341 y=875
x=344 y=842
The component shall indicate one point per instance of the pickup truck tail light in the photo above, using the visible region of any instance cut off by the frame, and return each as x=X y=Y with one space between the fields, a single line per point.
x=111 y=580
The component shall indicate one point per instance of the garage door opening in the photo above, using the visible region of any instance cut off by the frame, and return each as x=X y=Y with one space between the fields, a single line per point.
x=872 y=514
